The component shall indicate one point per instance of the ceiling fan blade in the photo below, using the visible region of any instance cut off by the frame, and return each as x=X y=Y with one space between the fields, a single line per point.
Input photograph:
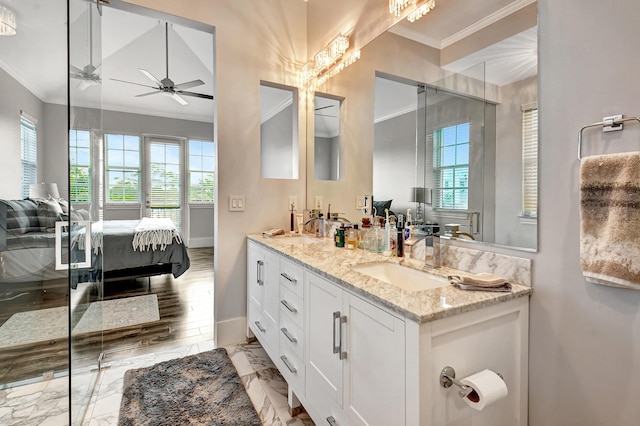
x=189 y=84
x=179 y=99
x=195 y=95
x=131 y=82
x=150 y=76
x=148 y=93
x=325 y=115
x=328 y=106
x=76 y=70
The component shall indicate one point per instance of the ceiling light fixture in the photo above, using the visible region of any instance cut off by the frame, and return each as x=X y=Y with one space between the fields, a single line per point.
x=7 y=22
x=421 y=10
x=397 y=6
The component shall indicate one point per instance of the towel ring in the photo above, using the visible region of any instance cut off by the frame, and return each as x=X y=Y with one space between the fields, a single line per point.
x=614 y=123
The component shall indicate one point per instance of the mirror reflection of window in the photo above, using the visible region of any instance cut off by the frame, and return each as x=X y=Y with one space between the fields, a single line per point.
x=326 y=138
x=278 y=131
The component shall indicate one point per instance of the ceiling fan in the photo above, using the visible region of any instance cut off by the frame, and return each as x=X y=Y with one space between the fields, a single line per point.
x=324 y=107
x=87 y=75
x=166 y=86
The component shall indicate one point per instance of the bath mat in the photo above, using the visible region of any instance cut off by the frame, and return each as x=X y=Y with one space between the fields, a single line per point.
x=201 y=389
x=51 y=324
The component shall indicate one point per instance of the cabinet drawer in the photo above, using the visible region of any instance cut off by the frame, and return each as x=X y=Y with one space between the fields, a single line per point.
x=291 y=336
x=291 y=306
x=291 y=276
x=266 y=332
x=291 y=367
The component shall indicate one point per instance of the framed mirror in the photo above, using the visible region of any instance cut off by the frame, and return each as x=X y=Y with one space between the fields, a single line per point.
x=326 y=137
x=278 y=131
x=489 y=57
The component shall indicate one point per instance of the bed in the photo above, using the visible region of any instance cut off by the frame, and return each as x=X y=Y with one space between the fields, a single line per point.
x=27 y=246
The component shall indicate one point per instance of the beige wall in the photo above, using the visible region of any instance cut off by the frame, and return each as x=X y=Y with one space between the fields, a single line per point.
x=254 y=41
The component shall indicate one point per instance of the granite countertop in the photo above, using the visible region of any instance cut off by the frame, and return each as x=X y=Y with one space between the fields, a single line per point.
x=321 y=256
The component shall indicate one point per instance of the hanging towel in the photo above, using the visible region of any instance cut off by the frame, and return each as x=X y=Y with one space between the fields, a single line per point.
x=610 y=219
x=155 y=234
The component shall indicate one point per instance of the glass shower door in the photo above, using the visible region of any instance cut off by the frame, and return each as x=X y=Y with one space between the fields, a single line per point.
x=84 y=239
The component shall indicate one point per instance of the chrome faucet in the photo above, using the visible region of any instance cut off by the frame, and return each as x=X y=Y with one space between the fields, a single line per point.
x=435 y=259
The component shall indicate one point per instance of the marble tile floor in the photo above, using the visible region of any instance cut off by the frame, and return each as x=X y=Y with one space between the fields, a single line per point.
x=46 y=403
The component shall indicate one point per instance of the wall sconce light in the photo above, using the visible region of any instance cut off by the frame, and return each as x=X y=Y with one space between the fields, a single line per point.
x=328 y=62
x=397 y=6
x=421 y=10
x=7 y=22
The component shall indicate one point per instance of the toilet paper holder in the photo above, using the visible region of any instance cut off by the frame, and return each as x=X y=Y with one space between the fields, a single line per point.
x=448 y=379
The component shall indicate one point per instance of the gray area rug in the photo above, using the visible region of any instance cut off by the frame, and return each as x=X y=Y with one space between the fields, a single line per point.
x=201 y=389
x=43 y=325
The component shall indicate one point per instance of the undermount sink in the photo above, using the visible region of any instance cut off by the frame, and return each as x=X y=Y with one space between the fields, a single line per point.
x=403 y=277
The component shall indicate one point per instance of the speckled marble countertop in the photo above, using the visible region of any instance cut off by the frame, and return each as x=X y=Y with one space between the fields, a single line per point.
x=322 y=257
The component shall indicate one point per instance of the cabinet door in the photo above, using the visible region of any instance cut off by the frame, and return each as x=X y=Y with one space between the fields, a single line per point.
x=255 y=275
x=271 y=306
x=323 y=305
x=374 y=376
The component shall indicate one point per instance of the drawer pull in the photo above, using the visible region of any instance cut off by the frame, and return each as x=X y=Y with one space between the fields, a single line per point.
x=289 y=366
x=259 y=270
x=260 y=327
x=288 y=278
x=336 y=348
x=288 y=306
x=331 y=421
x=288 y=336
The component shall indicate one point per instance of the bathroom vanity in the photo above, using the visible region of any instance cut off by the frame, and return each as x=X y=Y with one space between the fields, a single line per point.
x=357 y=350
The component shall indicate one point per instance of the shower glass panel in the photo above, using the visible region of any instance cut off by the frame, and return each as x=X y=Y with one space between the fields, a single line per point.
x=85 y=189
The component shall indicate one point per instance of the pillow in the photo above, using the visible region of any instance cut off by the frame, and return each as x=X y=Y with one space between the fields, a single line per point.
x=64 y=204
x=379 y=207
x=49 y=212
x=22 y=216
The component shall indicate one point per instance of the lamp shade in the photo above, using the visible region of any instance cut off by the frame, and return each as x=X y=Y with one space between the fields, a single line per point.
x=42 y=191
x=7 y=22
x=421 y=195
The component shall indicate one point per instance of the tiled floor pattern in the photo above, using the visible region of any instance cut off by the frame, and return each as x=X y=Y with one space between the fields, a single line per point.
x=46 y=403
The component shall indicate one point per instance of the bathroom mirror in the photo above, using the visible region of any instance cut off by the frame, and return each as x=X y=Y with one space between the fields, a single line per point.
x=326 y=137
x=278 y=131
x=491 y=59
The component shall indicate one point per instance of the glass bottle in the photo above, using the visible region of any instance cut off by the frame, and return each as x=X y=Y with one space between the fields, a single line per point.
x=351 y=236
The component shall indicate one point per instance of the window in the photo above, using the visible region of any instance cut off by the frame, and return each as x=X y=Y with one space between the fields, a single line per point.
x=530 y=161
x=202 y=166
x=451 y=167
x=80 y=163
x=122 y=168
x=28 y=153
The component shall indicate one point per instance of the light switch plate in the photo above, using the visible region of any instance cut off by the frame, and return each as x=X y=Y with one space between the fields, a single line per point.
x=236 y=203
x=318 y=202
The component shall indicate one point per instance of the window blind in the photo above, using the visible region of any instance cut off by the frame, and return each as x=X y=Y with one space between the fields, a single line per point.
x=530 y=162
x=451 y=167
x=123 y=168
x=80 y=176
x=202 y=165
x=28 y=153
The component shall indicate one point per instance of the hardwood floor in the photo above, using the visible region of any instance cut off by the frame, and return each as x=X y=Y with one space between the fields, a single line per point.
x=186 y=316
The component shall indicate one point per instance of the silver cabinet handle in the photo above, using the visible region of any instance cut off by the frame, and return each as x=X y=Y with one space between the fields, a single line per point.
x=289 y=366
x=288 y=306
x=291 y=280
x=336 y=316
x=331 y=421
x=260 y=327
x=260 y=281
x=288 y=335
x=343 y=354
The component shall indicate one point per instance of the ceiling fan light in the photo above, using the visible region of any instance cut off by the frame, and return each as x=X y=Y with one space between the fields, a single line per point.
x=8 y=23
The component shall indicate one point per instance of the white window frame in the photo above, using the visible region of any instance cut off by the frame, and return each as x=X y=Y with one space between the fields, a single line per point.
x=438 y=169
x=28 y=152
x=124 y=168
x=190 y=170
x=529 y=161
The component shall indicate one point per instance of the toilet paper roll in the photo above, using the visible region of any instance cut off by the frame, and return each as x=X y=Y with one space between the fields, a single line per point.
x=488 y=388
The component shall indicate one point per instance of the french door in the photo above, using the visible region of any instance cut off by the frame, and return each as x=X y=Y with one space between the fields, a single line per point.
x=164 y=173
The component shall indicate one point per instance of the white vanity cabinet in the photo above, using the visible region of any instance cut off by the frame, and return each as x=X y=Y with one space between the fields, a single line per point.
x=356 y=363
x=263 y=294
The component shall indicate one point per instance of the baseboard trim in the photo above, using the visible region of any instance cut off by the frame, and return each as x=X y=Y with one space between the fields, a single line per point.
x=231 y=331
x=201 y=242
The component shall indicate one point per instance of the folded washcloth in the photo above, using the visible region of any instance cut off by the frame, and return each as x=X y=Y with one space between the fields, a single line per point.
x=483 y=282
x=610 y=219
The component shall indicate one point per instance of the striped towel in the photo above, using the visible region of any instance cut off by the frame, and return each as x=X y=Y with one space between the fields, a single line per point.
x=610 y=219
x=155 y=234
x=482 y=282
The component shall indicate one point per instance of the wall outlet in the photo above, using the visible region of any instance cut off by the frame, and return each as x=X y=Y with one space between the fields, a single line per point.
x=293 y=201
x=359 y=203
x=318 y=202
